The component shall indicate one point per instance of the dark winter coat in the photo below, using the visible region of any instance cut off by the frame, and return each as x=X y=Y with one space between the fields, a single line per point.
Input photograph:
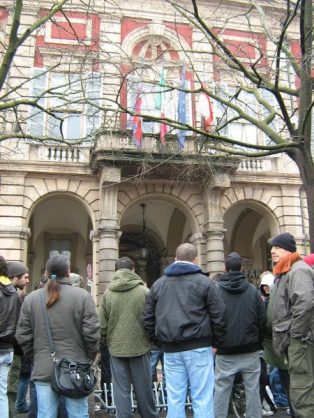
x=246 y=314
x=184 y=310
x=10 y=306
x=74 y=327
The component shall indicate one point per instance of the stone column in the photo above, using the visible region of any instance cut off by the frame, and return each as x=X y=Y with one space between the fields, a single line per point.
x=14 y=239
x=215 y=250
x=214 y=225
x=108 y=230
x=198 y=241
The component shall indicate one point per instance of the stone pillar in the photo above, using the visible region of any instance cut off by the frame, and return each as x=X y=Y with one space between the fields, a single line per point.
x=108 y=230
x=198 y=241
x=215 y=250
x=214 y=225
x=14 y=241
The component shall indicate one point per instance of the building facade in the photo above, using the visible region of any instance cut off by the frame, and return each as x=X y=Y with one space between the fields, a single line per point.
x=106 y=196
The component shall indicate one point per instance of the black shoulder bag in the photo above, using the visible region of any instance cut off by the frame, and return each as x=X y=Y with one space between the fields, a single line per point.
x=73 y=379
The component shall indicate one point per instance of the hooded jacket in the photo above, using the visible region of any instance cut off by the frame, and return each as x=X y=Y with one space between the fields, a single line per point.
x=10 y=306
x=184 y=310
x=246 y=314
x=120 y=314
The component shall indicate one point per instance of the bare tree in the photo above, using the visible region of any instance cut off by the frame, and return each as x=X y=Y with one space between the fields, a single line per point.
x=262 y=83
x=45 y=89
x=265 y=81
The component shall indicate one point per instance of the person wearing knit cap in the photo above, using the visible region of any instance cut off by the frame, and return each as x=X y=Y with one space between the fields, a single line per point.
x=18 y=274
x=10 y=305
x=292 y=312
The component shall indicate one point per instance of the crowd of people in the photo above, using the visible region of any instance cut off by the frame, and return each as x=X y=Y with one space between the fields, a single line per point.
x=207 y=334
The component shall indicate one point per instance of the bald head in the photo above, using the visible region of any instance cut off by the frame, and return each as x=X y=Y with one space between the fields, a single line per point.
x=186 y=252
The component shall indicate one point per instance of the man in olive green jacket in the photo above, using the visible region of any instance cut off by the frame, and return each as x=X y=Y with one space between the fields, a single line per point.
x=120 y=314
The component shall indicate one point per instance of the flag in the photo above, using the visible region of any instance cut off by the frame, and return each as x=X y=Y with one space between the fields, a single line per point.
x=206 y=111
x=163 y=130
x=160 y=105
x=182 y=110
x=137 y=122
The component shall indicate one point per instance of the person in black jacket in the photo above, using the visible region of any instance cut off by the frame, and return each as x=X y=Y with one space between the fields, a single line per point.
x=10 y=306
x=240 y=352
x=185 y=315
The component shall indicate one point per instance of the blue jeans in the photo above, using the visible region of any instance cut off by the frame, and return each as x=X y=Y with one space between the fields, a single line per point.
x=155 y=357
x=6 y=359
x=194 y=370
x=48 y=402
x=277 y=389
x=21 y=403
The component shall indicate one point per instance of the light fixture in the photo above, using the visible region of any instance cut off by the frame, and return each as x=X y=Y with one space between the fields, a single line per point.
x=143 y=250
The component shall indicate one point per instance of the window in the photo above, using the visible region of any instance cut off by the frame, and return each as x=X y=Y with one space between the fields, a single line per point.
x=71 y=103
x=156 y=100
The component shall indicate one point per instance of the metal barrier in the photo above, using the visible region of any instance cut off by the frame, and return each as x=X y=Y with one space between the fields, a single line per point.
x=106 y=403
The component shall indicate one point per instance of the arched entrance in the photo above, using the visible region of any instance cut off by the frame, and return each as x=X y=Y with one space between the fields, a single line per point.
x=249 y=226
x=59 y=222
x=151 y=231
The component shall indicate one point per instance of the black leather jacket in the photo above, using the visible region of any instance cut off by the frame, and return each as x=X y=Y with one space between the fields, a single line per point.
x=10 y=306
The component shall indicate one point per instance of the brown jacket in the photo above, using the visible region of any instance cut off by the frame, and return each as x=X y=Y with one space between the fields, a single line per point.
x=74 y=326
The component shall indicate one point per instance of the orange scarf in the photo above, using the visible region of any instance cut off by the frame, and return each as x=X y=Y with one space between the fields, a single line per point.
x=284 y=265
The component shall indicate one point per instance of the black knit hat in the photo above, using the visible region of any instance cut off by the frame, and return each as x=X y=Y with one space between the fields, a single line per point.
x=16 y=269
x=233 y=262
x=285 y=241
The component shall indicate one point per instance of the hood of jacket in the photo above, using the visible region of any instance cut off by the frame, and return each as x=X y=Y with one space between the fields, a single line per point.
x=125 y=280
x=6 y=286
x=234 y=282
x=180 y=268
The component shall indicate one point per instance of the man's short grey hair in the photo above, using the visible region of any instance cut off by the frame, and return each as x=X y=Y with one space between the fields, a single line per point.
x=124 y=263
x=186 y=252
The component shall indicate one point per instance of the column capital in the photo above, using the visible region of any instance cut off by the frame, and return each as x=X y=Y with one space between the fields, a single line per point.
x=219 y=182
x=15 y=231
x=196 y=238
x=110 y=175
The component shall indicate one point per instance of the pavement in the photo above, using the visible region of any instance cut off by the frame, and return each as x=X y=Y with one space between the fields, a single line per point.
x=162 y=414
x=99 y=414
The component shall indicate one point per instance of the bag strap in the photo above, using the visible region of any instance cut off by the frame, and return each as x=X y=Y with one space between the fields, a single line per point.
x=48 y=329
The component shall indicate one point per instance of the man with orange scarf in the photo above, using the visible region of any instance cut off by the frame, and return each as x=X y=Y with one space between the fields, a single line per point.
x=293 y=320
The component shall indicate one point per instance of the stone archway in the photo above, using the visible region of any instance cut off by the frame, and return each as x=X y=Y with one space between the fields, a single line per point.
x=152 y=247
x=59 y=222
x=249 y=225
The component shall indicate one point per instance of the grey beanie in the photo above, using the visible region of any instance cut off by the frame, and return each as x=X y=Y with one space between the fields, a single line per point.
x=16 y=269
x=285 y=241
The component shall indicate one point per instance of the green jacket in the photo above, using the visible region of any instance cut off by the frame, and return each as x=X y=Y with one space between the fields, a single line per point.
x=121 y=315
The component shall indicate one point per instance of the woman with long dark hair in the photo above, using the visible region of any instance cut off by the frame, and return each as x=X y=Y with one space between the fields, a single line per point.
x=75 y=331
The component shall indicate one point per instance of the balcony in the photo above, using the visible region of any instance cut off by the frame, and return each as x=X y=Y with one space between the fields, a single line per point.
x=196 y=161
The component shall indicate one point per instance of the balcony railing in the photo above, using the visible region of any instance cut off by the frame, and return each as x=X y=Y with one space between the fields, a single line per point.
x=151 y=144
x=60 y=153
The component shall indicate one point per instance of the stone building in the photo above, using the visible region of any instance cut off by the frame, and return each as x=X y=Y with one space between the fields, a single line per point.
x=106 y=197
